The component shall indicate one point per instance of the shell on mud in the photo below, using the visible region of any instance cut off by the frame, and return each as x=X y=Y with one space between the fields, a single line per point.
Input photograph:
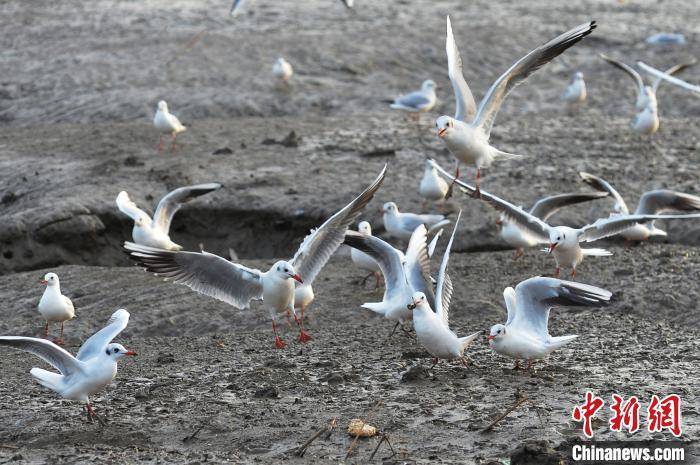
x=359 y=428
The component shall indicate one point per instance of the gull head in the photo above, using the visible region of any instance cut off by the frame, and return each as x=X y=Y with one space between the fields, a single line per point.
x=578 y=76
x=430 y=164
x=162 y=106
x=116 y=351
x=650 y=96
x=417 y=301
x=562 y=236
x=140 y=222
x=50 y=279
x=497 y=332
x=444 y=125
x=285 y=270
x=428 y=85
x=365 y=228
x=390 y=208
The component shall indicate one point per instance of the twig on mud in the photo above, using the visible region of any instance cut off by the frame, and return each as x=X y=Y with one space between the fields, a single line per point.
x=522 y=398
x=7 y=446
x=385 y=437
x=196 y=432
x=191 y=43
x=366 y=420
x=328 y=429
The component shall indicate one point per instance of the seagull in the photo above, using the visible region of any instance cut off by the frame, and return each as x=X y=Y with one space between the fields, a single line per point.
x=167 y=123
x=364 y=261
x=525 y=334
x=432 y=327
x=282 y=69
x=155 y=232
x=432 y=186
x=419 y=101
x=402 y=225
x=650 y=203
x=646 y=120
x=237 y=4
x=575 y=92
x=564 y=242
x=404 y=274
x=82 y=376
x=54 y=306
x=467 y=134
x=543 y=209
x=237 y=285
x=667 y=77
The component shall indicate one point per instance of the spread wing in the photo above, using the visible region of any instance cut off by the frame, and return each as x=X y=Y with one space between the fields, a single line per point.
x=662 y=201
x=171 y=203
x=389 y=259
x=634 y=75
x=99 y=341
x=318 y=246
x=417 y=264
x=443 y=294
x=511 y=303
x=602 y=185
x=203 y=272
x=671 y=71
x=548 y=206
x=673 y=80
x=46 y=350
x=464 y=100
x=525 y=221
x=522 y=69
x=129 y=208
x=606 y=227
x=536 y=296
x=235 y=7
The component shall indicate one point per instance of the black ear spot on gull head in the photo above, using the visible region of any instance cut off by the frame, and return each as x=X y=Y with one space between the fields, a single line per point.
x=107 y=351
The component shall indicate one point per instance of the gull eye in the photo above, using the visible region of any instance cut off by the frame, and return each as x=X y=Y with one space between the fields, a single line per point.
x=116 y=350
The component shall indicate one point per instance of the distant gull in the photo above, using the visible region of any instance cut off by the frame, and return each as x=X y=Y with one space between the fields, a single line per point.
x=432 y=186
x=281 y=69
x=237 y=285
x=54 y=306
x=575 y=92
x=82 y=376
x=525 y=334
x=402 y=225
x=155 y=232
x=167 y=123
x=666 y=38
x=419 y=101
x=364 y=261
x=467 y=134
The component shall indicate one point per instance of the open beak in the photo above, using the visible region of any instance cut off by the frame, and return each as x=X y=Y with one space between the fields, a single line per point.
x=552 y=246
x=491 y=337
x=296 y=277
x=43 y=281
x=499 y=222
x=411 y=306
x=442 y=131
x=131 y=352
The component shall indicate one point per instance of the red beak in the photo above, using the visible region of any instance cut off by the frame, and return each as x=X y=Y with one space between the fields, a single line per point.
x=491 y=337
x=43 y=281
x=296 y=277
x=441 y=132
x=552 y=246
x=131 y=352
x=499 y=222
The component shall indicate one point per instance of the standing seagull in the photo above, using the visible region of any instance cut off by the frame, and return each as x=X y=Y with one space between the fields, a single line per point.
x=282 y=69
x=646 y=120
x=564 y=242
x=155 y=232
x=417 y=102
x=432 y=186
x=167 y=123
x=237 y=285
x=402 y=225
x=525 y=334
x=82 y=376
x=543 y=209
x=432 y=327
x=575 y=92
x=404 y=274
x=467 y=134
x=650 y=203
x=667 y=77
x=364 y=261
x=54 y=306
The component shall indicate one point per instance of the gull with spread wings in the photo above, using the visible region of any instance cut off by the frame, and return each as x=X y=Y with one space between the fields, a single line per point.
x=237 y=285
x=467 y=133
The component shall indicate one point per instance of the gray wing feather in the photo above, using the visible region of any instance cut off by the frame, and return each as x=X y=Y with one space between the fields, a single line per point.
x=662 y=201
x=443 y=294
x=417 y=265
x=606 y=227
x=46 y=350
x=522 y=69
x=202 y=272
x=389 y=259
x=602 y=185
x=99 y=341
x=171 y=203
x=673 y=70
x=464 y=100
x=548 y=206
x=631 y=72
x=511 y=303
x=673 y=80
x=318 y=246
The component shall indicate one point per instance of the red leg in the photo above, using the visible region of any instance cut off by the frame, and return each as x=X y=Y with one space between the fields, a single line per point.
x=435 y=361
x=304 y=337
x=529 y=365
x=573 y=274
x=517 y=364
x=289 y=319
x=59 y=341
x=160 y=143
x=46 y=330
x=556 y=272
x=278 y=342
x=464 y=361
x=519 y=252
x=452 y=184
x=378 y=279
x=173 y=147
x=477 y=192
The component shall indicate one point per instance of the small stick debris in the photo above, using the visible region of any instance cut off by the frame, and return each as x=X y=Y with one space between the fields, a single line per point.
x=7 y=446
x=521 y=399
x=384 y=438
x=328 y=429
x=193 y=436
